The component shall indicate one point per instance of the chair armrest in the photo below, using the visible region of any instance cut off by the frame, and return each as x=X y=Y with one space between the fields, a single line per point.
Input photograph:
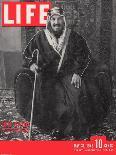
x=23 y=87
x=24 y=72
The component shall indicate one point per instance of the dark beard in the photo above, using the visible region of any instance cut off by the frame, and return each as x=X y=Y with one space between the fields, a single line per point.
x=58 y=33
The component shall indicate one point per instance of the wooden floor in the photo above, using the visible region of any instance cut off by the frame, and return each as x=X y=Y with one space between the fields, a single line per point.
x=10 y=131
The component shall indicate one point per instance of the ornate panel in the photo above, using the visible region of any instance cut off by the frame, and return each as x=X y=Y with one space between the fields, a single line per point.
x=113 y=44
x=106 y=31
x=84 y=17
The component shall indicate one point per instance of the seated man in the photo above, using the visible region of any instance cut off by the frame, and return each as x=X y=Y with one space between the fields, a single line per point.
x=59 y=57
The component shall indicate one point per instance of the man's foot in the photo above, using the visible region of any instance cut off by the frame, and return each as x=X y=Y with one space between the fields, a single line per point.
x=57 y=135
x=82 y=137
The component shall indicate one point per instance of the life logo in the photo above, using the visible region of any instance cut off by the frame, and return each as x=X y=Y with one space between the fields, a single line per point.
x=25 y=13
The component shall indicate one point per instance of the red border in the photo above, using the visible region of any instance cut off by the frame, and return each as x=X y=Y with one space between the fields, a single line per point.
x=53 y=147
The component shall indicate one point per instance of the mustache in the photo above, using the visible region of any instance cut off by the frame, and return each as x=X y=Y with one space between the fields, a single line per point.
x=56 y=25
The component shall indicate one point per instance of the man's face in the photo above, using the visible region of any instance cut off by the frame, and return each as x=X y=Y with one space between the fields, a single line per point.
x=57 y=23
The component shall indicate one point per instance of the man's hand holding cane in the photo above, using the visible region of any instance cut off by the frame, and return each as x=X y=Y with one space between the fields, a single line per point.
x=34 y=68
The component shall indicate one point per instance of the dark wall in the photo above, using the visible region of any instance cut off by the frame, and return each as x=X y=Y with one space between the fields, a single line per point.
x=10 y=51
x=2 y=71
x=12 y=62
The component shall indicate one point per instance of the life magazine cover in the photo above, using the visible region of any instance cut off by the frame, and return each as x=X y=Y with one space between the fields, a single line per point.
x=58 y=74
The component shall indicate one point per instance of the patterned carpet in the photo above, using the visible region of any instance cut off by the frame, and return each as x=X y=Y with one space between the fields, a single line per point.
x=14 y=127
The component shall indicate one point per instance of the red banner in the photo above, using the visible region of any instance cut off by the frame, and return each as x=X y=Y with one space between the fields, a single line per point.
x=96 y=145
x=24 y=13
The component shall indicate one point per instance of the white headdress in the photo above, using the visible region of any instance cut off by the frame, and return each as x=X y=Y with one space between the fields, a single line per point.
x=57 y=45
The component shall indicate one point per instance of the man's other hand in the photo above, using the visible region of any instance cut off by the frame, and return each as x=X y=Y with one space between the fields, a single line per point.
x=76 y=80
x=34 y=68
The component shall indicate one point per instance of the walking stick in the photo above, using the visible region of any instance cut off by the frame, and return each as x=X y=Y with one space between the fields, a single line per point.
x=33 y=98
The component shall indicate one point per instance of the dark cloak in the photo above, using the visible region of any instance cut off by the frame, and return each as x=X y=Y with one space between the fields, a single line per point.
x=57 y=100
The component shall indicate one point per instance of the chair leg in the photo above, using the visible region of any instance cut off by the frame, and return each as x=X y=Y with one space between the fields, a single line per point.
x=23 y=95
